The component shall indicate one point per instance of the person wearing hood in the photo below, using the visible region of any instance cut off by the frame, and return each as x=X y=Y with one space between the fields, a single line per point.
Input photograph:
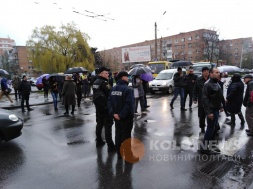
x=234 y=99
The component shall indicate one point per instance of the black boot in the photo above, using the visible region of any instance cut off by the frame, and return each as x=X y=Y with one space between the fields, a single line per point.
x=232 y=121
x=241 y=118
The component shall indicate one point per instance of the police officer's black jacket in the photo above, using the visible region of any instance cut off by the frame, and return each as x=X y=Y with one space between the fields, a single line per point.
x=189 y=85
x=246 y=99
x=121 y=100
x=24 y=87
x=211 y=96
x=197 y=91
x=101 y=89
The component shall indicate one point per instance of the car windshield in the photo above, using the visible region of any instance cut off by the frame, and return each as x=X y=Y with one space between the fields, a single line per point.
x=164 y=76
x=156 y=68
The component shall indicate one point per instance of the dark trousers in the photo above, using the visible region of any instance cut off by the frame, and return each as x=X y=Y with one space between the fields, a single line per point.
x=17 y=94
x=45 y=93
x=186 y=93
x=212 y=128
x=79 y=97
x=25 y=99
x=142 y=102
x=123 y=129
x=202 y=116
x=104 y=120
x=178 y=91
x=67 y=108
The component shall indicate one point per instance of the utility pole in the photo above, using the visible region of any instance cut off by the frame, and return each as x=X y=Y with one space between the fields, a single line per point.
x=155 y=42
x=156 y=37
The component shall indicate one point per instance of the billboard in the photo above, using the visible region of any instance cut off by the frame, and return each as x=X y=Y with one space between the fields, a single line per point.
x=136 y=54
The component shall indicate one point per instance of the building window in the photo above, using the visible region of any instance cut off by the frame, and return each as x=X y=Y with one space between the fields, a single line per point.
x=176 y=41
x=197 y=37
x=189 y=52
x=182 y=53
x=189 y=45
x=176 y=46
x=183 y=39
x=197 y=50
x=189 y=38
x=182 y=46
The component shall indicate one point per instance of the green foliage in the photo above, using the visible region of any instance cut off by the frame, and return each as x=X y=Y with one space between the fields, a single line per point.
x=55 y=51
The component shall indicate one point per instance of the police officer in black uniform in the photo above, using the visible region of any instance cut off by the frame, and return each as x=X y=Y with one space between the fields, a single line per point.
x=101 y=89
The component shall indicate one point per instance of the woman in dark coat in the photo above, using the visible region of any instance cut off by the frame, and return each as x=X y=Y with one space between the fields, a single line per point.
x=79 y=83
x=69 y=94
x=234 y=98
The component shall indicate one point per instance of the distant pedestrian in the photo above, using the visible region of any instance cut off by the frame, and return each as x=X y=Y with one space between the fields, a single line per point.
x=197 y=97
x=211 y=99
x=190 y=79
x=69 y=94
x=101 y=89
x=138 y=94
x=53 y=85
x=45 y=87
x=121 y=107
x=179 y=84
x=234 y=99
x=221 y=83
x=145 y=88
x=15 y=83
x=79 y=84
x=86 y=86
x=5 y=90
x=248 y=79
x=25 y=90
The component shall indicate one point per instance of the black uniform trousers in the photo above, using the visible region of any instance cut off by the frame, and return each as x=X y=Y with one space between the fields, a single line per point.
x=201 y=115
x=104 y=120
x=25 y=99
x=123 y=129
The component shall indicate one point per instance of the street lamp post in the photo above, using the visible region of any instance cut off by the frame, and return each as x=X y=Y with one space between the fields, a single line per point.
x=156 y=37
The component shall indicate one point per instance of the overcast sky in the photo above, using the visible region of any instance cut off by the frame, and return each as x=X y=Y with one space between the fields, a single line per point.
x=127 y=22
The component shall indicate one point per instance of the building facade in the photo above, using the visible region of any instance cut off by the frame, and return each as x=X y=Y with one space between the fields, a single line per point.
x=6 y=44
x=195 y=46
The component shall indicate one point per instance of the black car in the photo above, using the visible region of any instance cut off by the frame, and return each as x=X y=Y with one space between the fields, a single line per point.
x=10 y=125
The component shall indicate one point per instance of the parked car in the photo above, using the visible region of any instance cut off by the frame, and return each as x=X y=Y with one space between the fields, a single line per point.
x=10 y=126
x=33 y=81
x=197 y=67
x=163 y=81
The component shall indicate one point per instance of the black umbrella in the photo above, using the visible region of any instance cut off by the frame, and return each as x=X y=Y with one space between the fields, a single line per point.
x=3 y=72
x=181 y=64
x=139 y=71
x=75 y=70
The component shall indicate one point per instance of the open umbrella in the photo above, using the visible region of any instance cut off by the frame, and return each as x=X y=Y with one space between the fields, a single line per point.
x=147 y=77
x=181 y=63
x=229 y=69
x=75 y=70
x=3 y=72
x=58 y=76
x=139 y=71
x=137 y=65
x=39 y=79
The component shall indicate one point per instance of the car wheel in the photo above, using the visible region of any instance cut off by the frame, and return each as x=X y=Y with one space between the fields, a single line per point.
x=170 y=90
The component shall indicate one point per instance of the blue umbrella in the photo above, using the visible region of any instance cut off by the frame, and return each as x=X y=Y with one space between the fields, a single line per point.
x=147 y=77
x=39 y=79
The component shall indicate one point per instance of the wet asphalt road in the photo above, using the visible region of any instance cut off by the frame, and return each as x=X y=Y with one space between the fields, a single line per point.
x=57 y=151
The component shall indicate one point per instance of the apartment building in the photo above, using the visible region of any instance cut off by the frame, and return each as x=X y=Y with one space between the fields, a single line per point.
x=6 y=44
x=233 y=51
x=195 y=46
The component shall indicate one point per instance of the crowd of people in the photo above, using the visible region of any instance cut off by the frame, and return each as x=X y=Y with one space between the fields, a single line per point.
x=119 y=103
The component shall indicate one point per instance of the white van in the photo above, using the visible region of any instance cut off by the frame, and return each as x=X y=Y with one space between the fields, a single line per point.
x=164 y=81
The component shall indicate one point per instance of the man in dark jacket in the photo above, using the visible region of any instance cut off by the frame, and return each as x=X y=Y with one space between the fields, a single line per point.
x=25 y=90
x=197 y=97
x=190 y=79
x=121 y=107
x=234 y=99
x=101 y=89
x=179 y=85
x=211 y=99
x=248 y=79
